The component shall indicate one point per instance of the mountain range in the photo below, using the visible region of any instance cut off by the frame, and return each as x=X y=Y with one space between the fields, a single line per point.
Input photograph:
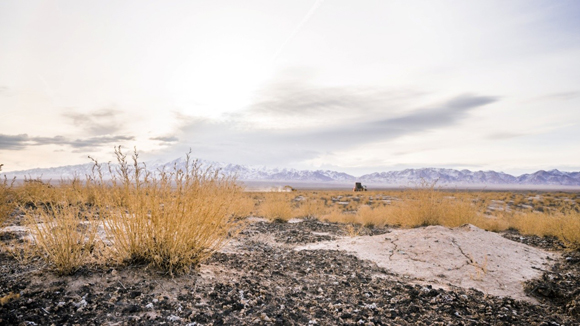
x=404 y=177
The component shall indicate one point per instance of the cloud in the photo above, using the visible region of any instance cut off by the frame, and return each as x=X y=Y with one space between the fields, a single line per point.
x=299 y=99
x=14 y=142
x=18 y=142
x=100 y=122
x=167 y=139
x=98 y=141
x=222 y=140
x=421 y=120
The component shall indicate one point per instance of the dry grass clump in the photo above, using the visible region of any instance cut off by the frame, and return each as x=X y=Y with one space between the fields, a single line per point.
x=312 y=208
x=427 y=205
x=570 y=229
x=242 y=206
x=563 y=225
x=34 y=191
x=63 y=236
x=422 y=206
x=276 y=207
x=530 y=213
x=63 y=227
x=171 y=219
x=337 y=215
x=7 y=198
x=491 y=223
x=371 y=217
x=535 y=223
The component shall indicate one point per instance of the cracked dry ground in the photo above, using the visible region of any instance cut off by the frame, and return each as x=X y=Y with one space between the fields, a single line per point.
x=260 y=280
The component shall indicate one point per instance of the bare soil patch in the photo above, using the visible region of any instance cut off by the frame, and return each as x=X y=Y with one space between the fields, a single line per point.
x=466 y=257
x=260 y=278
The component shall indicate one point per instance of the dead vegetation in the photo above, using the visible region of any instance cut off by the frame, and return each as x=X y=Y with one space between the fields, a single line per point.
x=171 y=220
x=542 y=214
x=7 y=200
x=174 y=219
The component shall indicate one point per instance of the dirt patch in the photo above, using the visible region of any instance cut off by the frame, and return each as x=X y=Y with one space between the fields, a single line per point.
x=466 y=257
x=258 y=279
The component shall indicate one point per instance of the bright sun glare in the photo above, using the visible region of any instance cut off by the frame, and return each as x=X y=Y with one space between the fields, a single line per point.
x=220 y=78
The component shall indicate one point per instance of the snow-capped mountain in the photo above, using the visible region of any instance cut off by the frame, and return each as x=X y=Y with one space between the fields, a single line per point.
x=263 y=173
x=442 y=175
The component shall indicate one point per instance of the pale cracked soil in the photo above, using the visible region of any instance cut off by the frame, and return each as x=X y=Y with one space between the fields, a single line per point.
x=294 y=274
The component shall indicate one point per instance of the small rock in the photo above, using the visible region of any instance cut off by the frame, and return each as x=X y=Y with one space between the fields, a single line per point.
x=174 y=318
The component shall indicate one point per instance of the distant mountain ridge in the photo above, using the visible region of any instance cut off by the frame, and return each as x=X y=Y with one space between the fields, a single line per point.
x=404 y=177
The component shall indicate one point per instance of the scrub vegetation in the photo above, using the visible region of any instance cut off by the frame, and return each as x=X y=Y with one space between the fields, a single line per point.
x=7 y=200
x=171 y=220
x=555 y=214
x=176 y=218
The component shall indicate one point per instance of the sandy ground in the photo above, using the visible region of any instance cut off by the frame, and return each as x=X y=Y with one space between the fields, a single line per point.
x=466 y=257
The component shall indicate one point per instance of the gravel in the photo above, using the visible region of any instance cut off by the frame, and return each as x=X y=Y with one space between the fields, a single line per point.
x=259 y=279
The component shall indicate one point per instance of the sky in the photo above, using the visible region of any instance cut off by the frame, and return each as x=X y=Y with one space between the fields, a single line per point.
x=354 y=86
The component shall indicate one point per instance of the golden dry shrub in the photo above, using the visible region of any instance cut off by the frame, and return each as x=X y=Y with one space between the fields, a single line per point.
x=563 y=225
x=171 y=219
x=457 y=211
x=533 y=223
x=312 y=208
x=490 y=223
x=337 y=215
x=428 y=205
x=7 y=198
x=353 y=230
x=243 y=206
x=276 y=207
x=371 y=217
x=64 y=235
x=35 y=191
x=420 y=207
x=570 y=229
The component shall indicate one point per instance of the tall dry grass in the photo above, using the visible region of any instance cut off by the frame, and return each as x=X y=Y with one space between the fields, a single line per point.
x=63 y=235
x=373 y=216
x=311 y=208
x=64 y=229
x=570 y=229
x=276 y=207
x=174 y=219
x=563 y=225
x=7 y=198
x=170 y=219
x=338 y=215
x=242 y=206
x=421 y=206
x=429 y=205
x=34 y=191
